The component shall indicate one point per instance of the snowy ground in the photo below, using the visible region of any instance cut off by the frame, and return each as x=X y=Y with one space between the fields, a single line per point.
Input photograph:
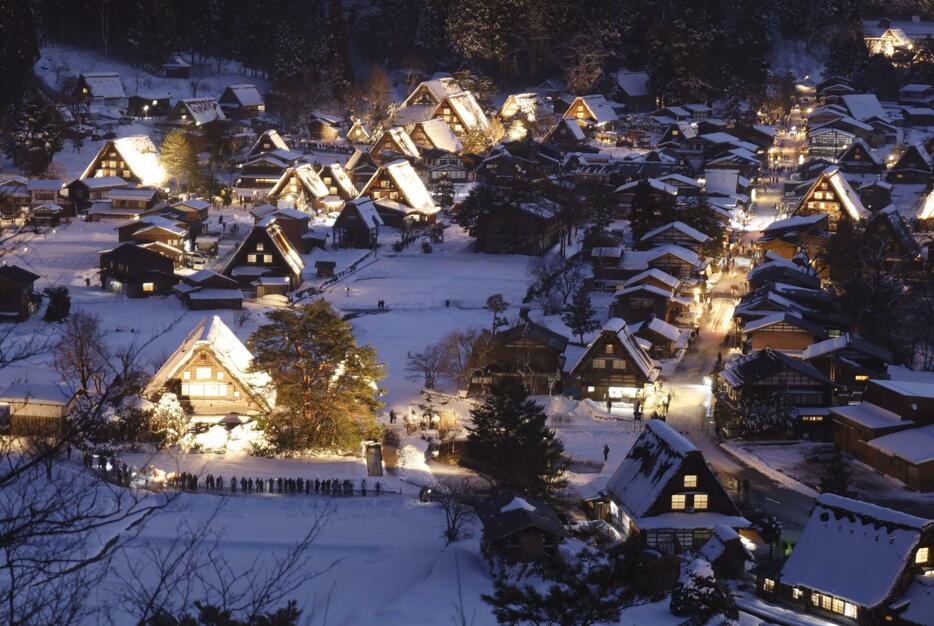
x=802 y=463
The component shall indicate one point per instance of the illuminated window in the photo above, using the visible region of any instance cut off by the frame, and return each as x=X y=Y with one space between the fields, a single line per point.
x=815 y=599
x=220 y=375
x=861 y=377
x=678 y=502
x=796 y=593
x=812 y=418
x=826 y=602
x=203 y=373
x=690 y=481
x=921 y=556
x=849 y=610
x=768 y=584
x=700 y=501
x=251 y=258
x=186 y=375
x=591 y=389
x=609 y=348
x=836 y=605
x=259 y=247
x=148 y=287
x=267 y=258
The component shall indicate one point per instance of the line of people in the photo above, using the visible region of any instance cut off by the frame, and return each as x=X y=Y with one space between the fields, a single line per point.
x=288 y=486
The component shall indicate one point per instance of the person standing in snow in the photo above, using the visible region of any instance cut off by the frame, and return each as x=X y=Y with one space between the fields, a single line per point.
x=606 y=452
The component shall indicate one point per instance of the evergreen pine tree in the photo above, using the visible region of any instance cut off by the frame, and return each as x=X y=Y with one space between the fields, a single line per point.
x=836 y=476
x=700 y=597
x=59 y=304
x=496 y=304
x=580 y=315
x=769 y=528
x=445 y=191
x=326 y=395
x=180 y=159
x=510 y=443
x=35 y=135
x=584 y=591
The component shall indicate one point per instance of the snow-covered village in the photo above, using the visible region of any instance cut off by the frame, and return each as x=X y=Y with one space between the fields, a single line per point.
x=423 y=312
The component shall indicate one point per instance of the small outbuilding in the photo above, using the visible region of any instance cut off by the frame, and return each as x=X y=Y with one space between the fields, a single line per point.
x=519 y=528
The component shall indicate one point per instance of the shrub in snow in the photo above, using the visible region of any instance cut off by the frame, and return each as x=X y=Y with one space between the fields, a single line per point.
x=59 y=304
x=168 y=419
x=836 y=476
x=769 y=416
x=699 y=597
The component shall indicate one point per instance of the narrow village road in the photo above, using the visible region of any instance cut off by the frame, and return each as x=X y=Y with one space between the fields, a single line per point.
x=691 y=394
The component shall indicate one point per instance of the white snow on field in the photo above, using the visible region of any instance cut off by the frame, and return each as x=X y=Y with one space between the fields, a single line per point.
x=59 y=61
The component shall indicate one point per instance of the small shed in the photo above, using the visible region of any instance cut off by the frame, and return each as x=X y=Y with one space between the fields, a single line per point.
x=35 y=408
x=325 y=269
x=177 y=67
x=519 y=528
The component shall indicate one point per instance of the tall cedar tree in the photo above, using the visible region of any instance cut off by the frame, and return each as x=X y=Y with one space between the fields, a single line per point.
x=836 y=476
x=580 y=315
x=496 y=304
x=180 y=159
x=585 y=591
x=510 y=443
x=19 y=49
x=35 y=134
x=325 y=383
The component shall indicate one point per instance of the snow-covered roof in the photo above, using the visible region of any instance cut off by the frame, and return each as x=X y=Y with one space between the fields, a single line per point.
x=403 y=142
x=306 y=176
x=273 y=137
x=410 y=185
x=645 y=287
x=213 y=334
x=657 y=274
x=759 y=365
x=843 y=341
x=663 y=328
x=529 y=104
x=468 y=110
x=680 y=178
x=104 y=84
x=44 y=184
x=141 y=156
x=654 y=183
x=637 y=355
x=914 y=388
x=341 y=180
x=870 y=415
x=721 y=137
x=633 y=83
x=795 y=221
x=22 y=394
x=440 y=88
x=853 y=550
x=134 y=193
x=643 y=476
x=440 y=135
x=247 y=95
x=848 y=197
x=864 y=106
x=367 y=210
x=599 y=107
x=203 y=110
x=681 y=227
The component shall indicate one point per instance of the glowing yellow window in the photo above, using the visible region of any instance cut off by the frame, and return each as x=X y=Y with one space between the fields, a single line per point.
x=921 y=556
x=849 y=610
x=768 y=584
x=690 y=481
x=203 y=373
x=796 y=593
x=700 y=501
x=678 y=502
x=148 y=287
